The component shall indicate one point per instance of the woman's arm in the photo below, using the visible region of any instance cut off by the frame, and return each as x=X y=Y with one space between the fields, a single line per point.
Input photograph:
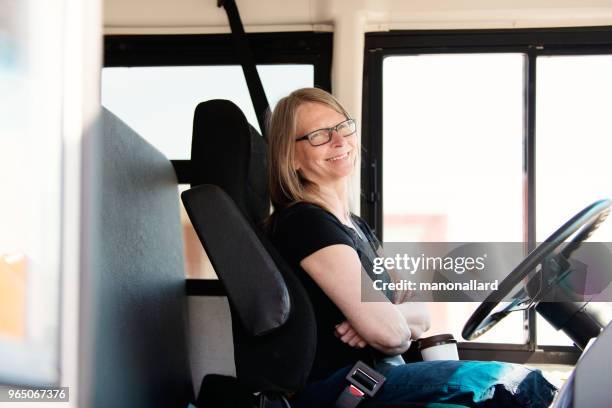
x=416 y=313
x=338 y=272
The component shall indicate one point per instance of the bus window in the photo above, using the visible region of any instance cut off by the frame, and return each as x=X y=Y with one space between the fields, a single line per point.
x=197 y=264
x=574 y=140
x=154 y=83
x=32 y=234
x=452 y=143
x=158 y=102
x=521 y=133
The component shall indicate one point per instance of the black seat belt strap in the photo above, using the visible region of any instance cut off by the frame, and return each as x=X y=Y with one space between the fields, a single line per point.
x=247 y=60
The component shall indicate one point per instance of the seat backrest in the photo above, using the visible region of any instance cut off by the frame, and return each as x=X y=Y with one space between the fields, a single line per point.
x=272 y=319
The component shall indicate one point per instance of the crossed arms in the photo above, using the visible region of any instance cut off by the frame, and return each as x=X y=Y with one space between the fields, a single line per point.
x=386 y=326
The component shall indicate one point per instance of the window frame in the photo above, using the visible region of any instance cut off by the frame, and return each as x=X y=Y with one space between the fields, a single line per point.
x=154 y=50
x=532 y=43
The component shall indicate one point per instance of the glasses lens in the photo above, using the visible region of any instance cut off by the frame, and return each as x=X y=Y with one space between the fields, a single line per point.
x=347 y=128
x=318 y=138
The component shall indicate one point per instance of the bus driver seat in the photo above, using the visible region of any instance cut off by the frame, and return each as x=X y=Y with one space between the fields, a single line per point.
x=272 y=320
x=274 y=332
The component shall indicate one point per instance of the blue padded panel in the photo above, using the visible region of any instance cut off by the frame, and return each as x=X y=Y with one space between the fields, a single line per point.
x=135 y=279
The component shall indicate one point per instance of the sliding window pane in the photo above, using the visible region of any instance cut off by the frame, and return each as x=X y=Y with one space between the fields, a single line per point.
x=452 y=154
x=158 y=102
x=574 y=141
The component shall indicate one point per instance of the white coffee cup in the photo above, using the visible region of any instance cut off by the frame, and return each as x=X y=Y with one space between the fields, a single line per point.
x=439 y=347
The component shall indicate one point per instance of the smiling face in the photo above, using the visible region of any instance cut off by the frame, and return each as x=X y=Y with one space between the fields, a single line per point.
x=327 y=163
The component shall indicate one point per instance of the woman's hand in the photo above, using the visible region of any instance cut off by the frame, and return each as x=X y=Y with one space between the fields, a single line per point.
x=345 y=332
x=417 y=317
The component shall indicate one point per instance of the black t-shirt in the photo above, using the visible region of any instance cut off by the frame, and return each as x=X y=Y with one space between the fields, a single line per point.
x=299 y=231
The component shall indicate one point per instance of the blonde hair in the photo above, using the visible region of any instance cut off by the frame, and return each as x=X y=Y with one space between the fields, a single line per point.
x=285 y=184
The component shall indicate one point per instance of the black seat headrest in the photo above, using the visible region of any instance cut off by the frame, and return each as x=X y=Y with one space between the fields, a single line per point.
x=223 y=139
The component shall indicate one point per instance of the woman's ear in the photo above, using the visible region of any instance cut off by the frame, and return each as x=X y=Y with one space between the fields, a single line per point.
x=296 y=165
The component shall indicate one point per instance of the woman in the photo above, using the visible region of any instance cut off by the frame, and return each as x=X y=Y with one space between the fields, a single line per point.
x=313 y=150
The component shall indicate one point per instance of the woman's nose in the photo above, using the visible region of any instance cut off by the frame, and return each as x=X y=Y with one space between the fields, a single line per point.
x=337 y=139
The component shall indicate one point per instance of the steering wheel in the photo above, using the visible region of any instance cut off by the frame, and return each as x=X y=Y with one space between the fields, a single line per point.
x=491 y=311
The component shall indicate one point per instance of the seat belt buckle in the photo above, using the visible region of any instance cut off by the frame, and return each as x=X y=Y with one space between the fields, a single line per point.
x=364 y=379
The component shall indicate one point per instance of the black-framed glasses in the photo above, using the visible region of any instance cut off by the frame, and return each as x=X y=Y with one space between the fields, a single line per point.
x=321 y=136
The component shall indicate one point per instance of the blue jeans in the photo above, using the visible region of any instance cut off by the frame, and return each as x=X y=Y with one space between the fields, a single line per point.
x=479 y=384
